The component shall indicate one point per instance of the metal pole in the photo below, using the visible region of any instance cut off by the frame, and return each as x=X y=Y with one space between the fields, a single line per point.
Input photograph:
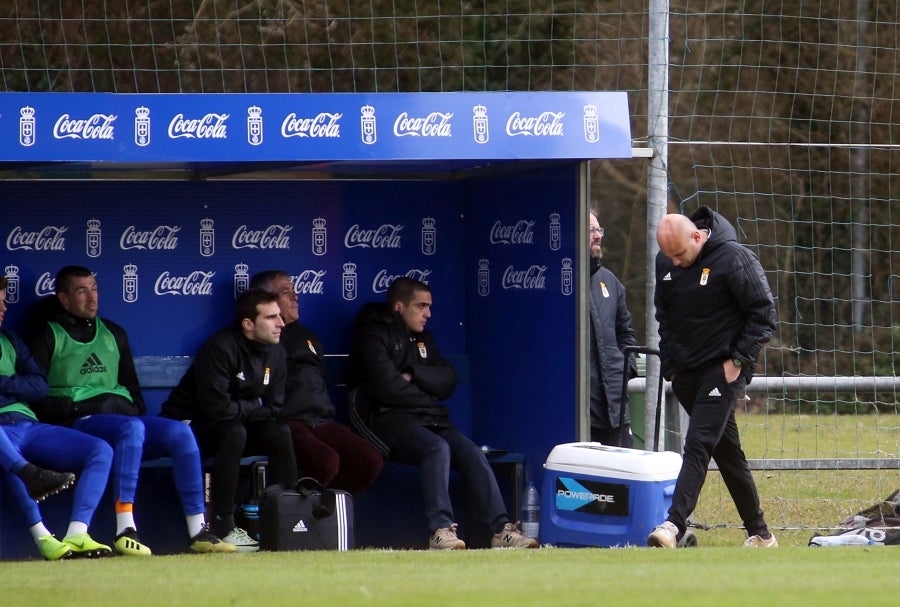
x=657 y=190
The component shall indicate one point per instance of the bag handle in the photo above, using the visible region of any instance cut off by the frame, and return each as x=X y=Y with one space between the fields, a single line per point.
x=307 y=485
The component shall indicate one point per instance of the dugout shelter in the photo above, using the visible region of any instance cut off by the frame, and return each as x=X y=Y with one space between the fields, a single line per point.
x=176 y=200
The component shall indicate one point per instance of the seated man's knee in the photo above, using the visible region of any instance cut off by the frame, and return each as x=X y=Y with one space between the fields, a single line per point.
x=131 y=430
x=437 y=450
x=232 y=435
x=323 y=467
x=100 y=452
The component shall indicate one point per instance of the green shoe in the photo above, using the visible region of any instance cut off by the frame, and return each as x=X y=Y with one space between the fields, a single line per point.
x=129 y=544
x=84 y=546
x=52 y=549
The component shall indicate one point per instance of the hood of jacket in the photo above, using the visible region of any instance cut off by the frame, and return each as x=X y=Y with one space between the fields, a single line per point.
x=720 y=230
x=376 y=312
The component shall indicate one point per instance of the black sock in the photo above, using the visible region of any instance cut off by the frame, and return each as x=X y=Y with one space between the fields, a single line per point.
x=222 y=524
x=28 y=471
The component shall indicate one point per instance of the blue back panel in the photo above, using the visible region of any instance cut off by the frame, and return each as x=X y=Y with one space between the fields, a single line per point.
x=498 y=252
x=170 y=256
x=521 y=310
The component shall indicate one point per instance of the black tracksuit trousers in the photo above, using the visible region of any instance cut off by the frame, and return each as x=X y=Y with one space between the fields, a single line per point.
x=712 y=433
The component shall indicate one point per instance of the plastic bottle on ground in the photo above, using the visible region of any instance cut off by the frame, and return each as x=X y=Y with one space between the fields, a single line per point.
x=843 y=540
x=531 y=511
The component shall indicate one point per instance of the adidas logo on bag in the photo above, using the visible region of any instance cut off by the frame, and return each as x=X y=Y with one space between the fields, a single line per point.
x=300 y=527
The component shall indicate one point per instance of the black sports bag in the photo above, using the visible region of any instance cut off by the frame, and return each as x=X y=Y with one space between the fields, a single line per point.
x=305 y=517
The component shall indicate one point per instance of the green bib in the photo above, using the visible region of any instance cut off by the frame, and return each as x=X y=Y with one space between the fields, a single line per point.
x=8 y=368
x=84 y=370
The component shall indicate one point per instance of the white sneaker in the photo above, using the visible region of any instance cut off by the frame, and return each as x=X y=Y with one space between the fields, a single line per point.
x=241 y=540
x=664 y=536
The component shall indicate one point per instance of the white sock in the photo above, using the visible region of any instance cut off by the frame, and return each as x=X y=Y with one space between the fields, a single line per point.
x=76 y=527
x=124 y=520
x=38 y=531
x=195 y=523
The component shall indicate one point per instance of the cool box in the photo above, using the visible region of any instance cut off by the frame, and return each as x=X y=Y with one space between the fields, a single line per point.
x=596 y=495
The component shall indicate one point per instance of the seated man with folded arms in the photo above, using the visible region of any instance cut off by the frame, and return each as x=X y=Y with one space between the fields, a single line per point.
x=399 y=382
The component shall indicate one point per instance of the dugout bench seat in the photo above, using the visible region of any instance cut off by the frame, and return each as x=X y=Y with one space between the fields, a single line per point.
x=389 y=515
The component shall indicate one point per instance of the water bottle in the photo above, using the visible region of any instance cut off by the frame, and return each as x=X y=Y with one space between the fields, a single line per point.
x=250 y=516
x=531 y=511
x=843 y=540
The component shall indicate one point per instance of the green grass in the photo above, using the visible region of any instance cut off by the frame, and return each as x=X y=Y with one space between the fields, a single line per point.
x=719 y=572
x=632 y=576
x=819 y=436
x=799 y=503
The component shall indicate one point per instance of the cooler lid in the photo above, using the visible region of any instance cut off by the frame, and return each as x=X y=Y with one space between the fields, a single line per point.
x=595 y=456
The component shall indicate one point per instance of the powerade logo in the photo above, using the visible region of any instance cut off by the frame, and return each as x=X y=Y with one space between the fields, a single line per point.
x=591 y=497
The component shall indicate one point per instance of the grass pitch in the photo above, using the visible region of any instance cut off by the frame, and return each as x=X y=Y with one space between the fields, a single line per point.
x=549 y=576
x=719 y=572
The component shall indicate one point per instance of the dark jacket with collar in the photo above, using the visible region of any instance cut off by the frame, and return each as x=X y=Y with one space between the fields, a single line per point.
x=611 y=332
x=383 y=349
x=306 y=391
x=230 y=378
x=717 y=308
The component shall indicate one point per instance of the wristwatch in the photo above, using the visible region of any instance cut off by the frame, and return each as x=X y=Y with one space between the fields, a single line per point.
x=737 y=362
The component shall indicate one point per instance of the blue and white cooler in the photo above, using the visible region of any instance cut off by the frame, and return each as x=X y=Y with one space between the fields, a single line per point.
x=597 y=495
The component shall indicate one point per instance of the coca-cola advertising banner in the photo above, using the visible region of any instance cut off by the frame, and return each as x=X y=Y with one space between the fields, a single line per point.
x=170 y=257
x=109 y=127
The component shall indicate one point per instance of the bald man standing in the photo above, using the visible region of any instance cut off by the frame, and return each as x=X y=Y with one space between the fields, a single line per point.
x=715 y=311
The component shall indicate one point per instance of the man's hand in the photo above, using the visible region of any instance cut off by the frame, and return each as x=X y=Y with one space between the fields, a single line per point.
x=732 y=371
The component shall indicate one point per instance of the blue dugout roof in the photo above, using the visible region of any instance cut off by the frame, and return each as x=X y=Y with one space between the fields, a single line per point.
x=348 y=133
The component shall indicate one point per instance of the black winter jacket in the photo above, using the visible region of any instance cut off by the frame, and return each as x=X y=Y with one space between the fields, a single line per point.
x=383 y=349
x=611 y=331
x=719 y=307
x=231 y=377
x=306 y=392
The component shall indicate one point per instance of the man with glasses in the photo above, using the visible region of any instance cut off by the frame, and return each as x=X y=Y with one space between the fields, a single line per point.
x=611 y=331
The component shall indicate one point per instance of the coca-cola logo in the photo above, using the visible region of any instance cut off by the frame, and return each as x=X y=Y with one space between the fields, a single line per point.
x=383 y=280
x=210 y=126
x=324 y=125
x=160 y=238
x=546 y=124
x=435 y=124
x=309 y=282
x=48 y=238
x=45 y=285
x=532 y=277
x=274 y=236
x=386 y=236
x=521 y=232
x=98 y=126
x=197 y=282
